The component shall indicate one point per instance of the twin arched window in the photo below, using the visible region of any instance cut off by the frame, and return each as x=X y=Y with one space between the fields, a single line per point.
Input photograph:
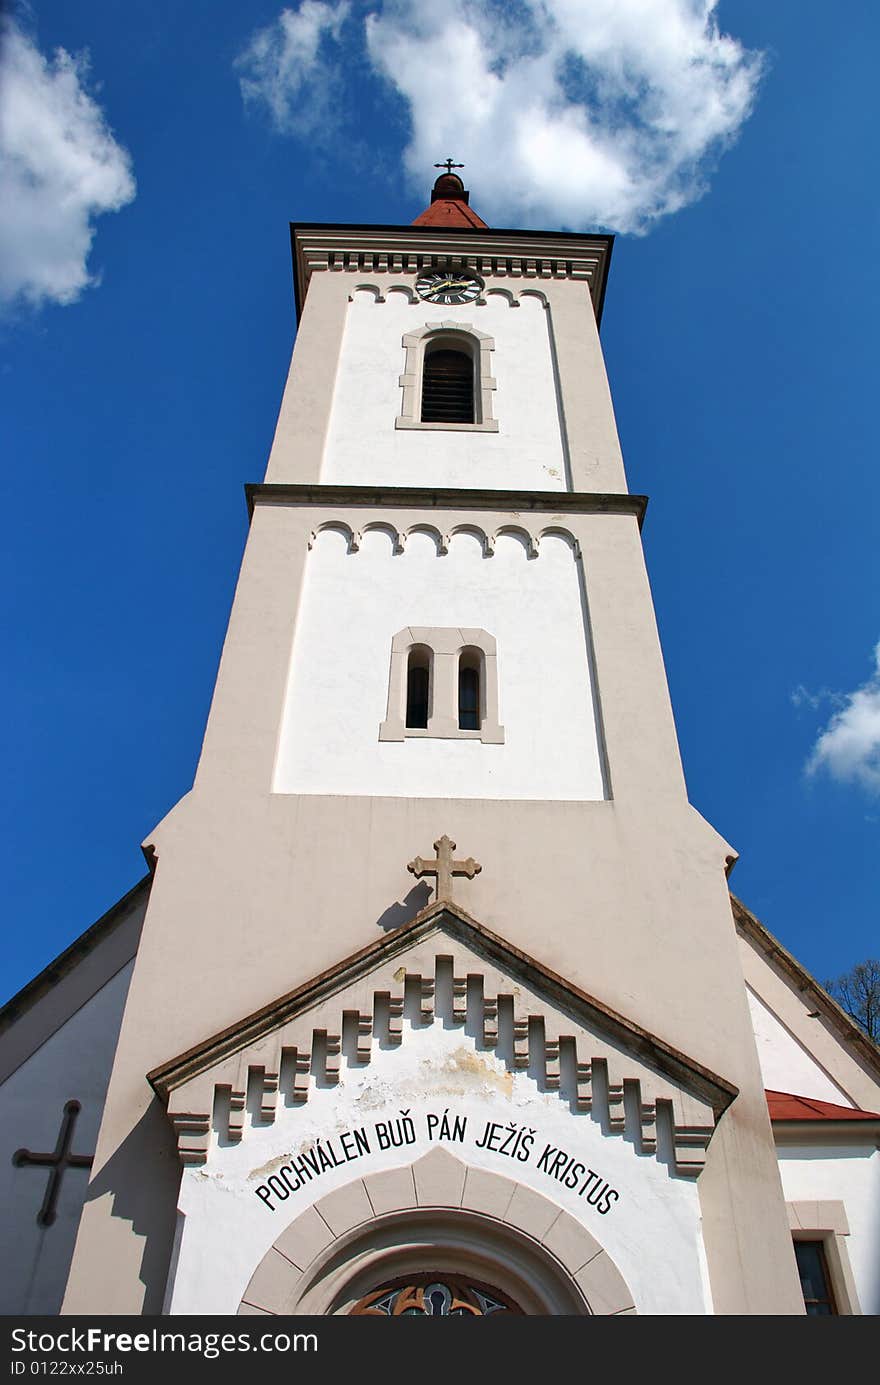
x=418 y=688
x=443 y=684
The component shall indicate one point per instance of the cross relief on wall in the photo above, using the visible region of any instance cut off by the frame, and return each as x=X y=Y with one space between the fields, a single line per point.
x=444 y=867
x=57 y=1162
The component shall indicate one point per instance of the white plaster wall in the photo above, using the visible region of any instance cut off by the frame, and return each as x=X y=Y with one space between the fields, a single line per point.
x=337 y=696
x=364 y=448
x=652 y=1232
x=74 y=1064
x=849 y=1173
x=786 y=1066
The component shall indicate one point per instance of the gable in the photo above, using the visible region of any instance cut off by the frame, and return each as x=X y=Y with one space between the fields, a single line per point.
x=799 y=1028
x=69 y=982
x=444 y=969
x=786 y=1064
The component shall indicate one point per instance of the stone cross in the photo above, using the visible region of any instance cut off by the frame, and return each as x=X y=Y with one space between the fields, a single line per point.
x=59 y=1160
x=444 y=867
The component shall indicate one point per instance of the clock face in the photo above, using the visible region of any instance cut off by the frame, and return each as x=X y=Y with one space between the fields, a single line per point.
x=448 y=286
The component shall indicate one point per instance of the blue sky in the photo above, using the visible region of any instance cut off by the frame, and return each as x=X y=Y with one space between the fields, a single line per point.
x=145 y=332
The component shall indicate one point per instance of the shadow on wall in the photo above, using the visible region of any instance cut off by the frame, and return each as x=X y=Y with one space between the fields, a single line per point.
x=401 y=911
x=142 y=1178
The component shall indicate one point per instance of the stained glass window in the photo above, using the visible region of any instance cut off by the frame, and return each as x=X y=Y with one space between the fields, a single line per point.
x=434 y=1296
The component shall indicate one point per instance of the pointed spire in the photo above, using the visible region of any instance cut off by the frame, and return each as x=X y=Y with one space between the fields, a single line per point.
x=449 y=201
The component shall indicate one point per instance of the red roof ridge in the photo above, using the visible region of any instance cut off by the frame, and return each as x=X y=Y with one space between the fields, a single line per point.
x=786 y=1106
x=450 y=211
x=449 y=204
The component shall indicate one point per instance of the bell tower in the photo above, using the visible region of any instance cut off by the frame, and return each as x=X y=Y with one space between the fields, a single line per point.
x=437 y=904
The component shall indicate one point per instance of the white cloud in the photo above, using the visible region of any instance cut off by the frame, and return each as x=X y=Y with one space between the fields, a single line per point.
x=60 y=168
x=572 y=112
x=849 y=747
x=575 y=113
x=802 y=697
x=292 y=69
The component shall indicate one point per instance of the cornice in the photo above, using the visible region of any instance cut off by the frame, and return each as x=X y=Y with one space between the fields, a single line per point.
x=422 y=497
x=502 y=254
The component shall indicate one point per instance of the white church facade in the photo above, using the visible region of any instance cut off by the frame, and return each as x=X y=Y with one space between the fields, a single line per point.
x=435 y=1000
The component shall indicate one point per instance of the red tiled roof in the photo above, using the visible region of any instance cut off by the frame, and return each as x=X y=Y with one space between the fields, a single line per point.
x=449 y=211
x=784 y=1106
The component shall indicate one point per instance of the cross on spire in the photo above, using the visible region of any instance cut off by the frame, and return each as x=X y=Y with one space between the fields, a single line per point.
x=444 y=867
x=448 y=165
x=59 y=1160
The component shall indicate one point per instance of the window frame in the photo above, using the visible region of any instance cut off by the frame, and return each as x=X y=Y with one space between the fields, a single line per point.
x=461 y=352
x=456 y=336
x=446 y=645
x=471 y=661
x=425 y=664
x=826 y=1223
x=830 y=1299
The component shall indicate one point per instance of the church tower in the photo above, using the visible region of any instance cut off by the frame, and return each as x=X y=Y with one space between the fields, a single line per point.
x=438 y=1005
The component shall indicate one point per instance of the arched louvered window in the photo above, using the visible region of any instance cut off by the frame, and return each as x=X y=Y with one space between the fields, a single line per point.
x=418 y=681
x=469 y=666
x=447 y=384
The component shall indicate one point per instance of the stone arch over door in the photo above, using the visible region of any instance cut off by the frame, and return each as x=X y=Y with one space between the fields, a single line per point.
x=439 y=1215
